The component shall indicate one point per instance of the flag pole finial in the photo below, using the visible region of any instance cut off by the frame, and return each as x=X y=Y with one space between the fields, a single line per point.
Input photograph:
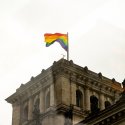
x=63 y=56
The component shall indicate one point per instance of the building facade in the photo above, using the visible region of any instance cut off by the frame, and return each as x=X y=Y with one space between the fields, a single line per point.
x=63 y=94
x=112 y=115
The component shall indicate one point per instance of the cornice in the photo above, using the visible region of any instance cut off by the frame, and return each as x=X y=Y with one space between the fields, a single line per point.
x=75 y=73
x=33 y=86
x=62 y=108
x=108 y=115
x=113 y=119
x=80 y=76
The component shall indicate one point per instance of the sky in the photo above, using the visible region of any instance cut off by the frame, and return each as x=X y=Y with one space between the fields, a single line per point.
x=96 y=31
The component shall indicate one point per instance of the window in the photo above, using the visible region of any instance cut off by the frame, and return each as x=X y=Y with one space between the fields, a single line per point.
x=36 y=111
x=107 y=104
x=37 y=103
x=25 y=113
x=94 y=104
x=79 y=98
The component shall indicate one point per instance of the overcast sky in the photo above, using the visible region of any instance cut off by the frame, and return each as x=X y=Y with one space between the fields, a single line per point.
x=96 y=39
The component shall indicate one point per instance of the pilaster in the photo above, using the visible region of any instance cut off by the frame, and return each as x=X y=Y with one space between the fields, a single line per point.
x=42 y=101
x=87 y=99
x=52 y=95
x=30 y=109
x=101 y=101
x=16 y=114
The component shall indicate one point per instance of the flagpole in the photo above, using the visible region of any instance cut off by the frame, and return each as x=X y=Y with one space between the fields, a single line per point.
x=68 y=47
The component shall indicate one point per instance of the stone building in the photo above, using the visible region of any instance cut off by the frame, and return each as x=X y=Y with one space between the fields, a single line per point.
x=63 y=94
x=112 y=115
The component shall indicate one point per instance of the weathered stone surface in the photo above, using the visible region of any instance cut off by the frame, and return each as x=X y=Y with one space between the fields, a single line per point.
x=61 y=80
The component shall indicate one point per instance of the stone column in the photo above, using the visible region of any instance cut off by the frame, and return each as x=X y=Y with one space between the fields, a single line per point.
x=42 y=101
x=30 y=109
x=52 y=95
x=87 y=99
x=101 y=101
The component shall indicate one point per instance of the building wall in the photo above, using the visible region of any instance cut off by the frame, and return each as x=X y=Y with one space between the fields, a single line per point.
x=58 y=86
x=62 y=92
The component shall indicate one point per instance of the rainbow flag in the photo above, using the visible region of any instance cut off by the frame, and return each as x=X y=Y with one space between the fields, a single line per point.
x=62 y=39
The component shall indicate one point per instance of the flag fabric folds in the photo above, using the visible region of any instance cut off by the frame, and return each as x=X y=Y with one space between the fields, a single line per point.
x=62 y=39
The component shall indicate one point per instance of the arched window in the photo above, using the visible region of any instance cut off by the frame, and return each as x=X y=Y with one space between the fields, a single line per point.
x=36 y=110
x=25 y=113
x=47 y=100
x=79 y=98
x=94 y=104
x=37 y=103
x=107 y=104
